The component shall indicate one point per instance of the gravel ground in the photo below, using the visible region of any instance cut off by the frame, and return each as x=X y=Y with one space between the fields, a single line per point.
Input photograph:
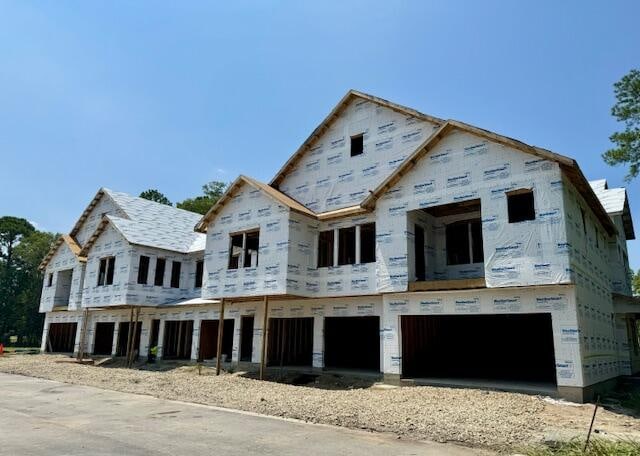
x=471 y=417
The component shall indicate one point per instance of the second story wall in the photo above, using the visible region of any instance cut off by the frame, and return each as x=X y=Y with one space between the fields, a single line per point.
x=462 y=168
x=98 y=291
x=247 y=213
x=329 y=177
x=63 y=278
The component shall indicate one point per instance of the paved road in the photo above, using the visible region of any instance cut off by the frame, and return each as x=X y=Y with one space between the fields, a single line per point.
x=41 y=417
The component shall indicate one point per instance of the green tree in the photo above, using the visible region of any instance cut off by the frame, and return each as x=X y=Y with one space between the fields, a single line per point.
x=635 y=283
x=212 y=192
x=12 y=229
x=154 y=195
x=22 y=248
x=627 y=110
x=27 y=321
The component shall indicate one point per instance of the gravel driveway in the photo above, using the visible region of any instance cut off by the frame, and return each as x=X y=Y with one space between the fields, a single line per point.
x=496 y=420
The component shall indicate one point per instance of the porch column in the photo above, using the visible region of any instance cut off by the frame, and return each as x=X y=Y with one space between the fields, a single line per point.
x=45 y=334
x=116 y=333
x=195 y=339
x=76 y=345
x=318 y=342
x=160 y=339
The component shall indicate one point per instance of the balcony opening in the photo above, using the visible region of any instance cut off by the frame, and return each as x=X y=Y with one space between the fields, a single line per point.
x=63 y=288
x=447 y=246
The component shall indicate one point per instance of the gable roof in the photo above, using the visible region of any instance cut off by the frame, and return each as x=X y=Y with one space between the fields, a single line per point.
x=568 y=165
x=269 y=191
x=335 y=112
x=71 y=244
x=172 y=233
x=616 y=202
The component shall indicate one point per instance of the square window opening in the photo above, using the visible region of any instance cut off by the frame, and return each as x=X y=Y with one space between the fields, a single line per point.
x=521 y=207
x=357 y=145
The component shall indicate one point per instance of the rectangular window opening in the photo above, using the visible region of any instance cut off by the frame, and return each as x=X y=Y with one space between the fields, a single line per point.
x=159 y=276
x=243 y=252
x=175 y=274
x=199 y=273
x=584 y=221
x=368 y=243
x=457 y=235
x=521 y=206
x=235 y=252
x=357 y=145
x=106 y=271
x=251 y=249
x=347 y=246
x=50 y=280
x=325 y=249
x=143 y=269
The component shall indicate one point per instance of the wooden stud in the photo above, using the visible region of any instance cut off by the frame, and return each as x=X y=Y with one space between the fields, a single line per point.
x=265 y=321
x=220 y=333
x=129 y=334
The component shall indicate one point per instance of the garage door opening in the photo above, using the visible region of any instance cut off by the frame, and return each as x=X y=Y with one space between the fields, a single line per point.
x=290 y=342
x=177 y=339
x=61 y=337
x=515 y=347
x=246 y=338
x=103 y=338
x=209 y=340
x=352 y=343
x=123 y=337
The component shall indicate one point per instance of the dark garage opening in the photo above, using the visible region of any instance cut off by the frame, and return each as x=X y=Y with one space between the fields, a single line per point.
x=103 y=338
x=177 y=339
x=246 y=338
x=290 y=342
x=123 y=337
x=352 y=343
x=61 y=337
x=515 y=347
x=209 y=340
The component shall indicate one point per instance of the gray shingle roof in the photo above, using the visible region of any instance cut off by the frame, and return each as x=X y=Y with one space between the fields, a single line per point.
x=156 y=225
x=612 y=199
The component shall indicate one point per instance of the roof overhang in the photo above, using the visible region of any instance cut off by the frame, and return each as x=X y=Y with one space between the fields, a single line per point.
x=568 y=165
x=335 y=112
x=70 y=242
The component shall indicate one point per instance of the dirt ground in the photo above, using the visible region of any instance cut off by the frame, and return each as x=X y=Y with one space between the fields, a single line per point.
x=488 y=419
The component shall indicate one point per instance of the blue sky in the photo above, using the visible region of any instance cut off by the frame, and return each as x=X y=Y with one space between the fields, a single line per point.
x=170 y=95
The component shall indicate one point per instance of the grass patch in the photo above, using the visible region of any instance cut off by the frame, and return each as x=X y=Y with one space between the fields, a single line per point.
x=597 y=447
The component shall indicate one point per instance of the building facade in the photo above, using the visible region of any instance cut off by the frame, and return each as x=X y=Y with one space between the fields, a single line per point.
x=391 y=242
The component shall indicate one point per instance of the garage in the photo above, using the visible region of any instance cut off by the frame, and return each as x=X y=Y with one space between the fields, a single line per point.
x=290 y=342
x=178 y=335
x=513 y=347
x=61 y=337
x=352 y=343
x=209 y=340
x=123 y=338
x=103 y=338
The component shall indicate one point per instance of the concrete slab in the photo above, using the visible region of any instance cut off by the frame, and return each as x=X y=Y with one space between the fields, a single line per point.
x=41 y=417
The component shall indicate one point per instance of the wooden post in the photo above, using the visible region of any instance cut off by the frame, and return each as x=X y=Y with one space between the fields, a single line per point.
x=265 y=321
x=133 y=340
x=130 y=333
x=83 y=335
x=220 y=331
